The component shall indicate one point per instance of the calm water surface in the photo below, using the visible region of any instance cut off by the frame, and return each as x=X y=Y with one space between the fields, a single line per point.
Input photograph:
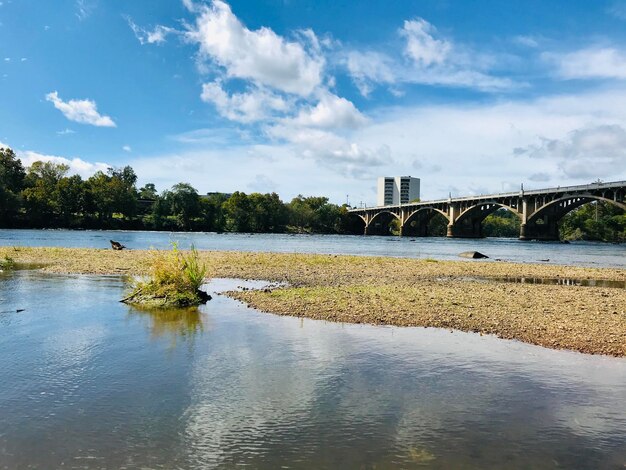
x=88 y=382
x=578 y=253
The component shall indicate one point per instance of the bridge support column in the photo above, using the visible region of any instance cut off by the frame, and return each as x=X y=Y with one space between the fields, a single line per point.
x=546 y=232
x=469 y=229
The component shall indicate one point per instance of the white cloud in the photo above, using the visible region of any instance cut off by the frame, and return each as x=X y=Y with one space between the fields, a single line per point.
x=145 y=36
x=331 y=112
x=84 y=8
x=127 y=148
x=189 y=5
x=431 y=61
x=77 y=166
x=82 y=111
x=584 y=153
x=262 y=184
x=261 y=56
x=66 y=131
x=527 y=41
x=214 y=136
x=249 y=107
x=421 y=46
x=367 y=68
x=592 y=62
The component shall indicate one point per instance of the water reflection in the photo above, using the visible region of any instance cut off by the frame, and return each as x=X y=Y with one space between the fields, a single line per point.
x=179 y=324
x=85 y=384
x=552 y=281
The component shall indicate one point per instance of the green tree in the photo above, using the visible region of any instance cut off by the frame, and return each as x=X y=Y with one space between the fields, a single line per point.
x=100 y=197
x=267 y=213
x=148 y=192
x=238 y=213
x=502 y=223
x=598 y=220
x=122 y=184
x=12 y=176
x=71 y=197
x=41 y=194
x=316 y=214
x=183 y=202
x=212 y=212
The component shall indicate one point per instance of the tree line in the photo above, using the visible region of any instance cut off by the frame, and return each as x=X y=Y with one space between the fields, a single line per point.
x=44 y=195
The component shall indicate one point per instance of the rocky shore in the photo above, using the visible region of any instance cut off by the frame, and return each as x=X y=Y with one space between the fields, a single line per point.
x=462 y=295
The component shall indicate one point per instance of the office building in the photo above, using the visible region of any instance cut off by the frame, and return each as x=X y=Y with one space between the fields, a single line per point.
x=394 y=190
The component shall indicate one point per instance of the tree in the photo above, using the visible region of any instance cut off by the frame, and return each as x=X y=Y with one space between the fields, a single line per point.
x=125 y=193
x=41 y=195
x=237 y=210
x=502 y=223
x=12 y=176
x=100 y=198
x=71 y=197
x=598 y=220
x=148 y=192
x=315 y=214
x=183 y=201
x=212 y=212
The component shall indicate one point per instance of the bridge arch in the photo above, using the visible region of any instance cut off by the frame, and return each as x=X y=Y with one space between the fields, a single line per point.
x=469 y=222
x=380 y=223
x=542 y=224
x=422 y=222
x=354 y=224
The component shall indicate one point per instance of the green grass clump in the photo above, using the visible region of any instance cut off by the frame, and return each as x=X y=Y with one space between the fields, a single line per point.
x=174 y=281
x=7 y=263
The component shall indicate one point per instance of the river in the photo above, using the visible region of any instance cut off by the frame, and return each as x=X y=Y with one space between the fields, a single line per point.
x=88 y=382
x=591 y=254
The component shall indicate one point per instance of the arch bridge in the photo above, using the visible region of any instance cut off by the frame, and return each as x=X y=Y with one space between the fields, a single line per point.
x=539 y=211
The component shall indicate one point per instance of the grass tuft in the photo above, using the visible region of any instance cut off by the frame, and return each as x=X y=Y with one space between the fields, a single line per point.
x=7 y=263
x=174 y=281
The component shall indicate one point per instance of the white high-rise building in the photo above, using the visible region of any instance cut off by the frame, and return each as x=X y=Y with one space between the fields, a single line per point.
x=394 y=190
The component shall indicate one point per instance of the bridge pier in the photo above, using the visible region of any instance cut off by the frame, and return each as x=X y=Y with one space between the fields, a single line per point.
x=468 y=228
x=547 y=231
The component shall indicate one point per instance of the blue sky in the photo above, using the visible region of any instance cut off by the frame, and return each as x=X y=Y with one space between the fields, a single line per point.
x=319 y=97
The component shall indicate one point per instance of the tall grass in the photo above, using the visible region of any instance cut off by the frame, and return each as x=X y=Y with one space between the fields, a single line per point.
x=174 y=280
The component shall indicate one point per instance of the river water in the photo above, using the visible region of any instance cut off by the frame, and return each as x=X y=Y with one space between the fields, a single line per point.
x=576 y=253
x=88 y=382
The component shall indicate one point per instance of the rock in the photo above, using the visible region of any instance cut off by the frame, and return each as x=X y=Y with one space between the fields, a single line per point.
x=472 y=255
x=204 y=297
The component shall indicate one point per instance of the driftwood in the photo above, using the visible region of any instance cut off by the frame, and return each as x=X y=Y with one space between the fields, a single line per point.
x=116 y=245
x=131 y=296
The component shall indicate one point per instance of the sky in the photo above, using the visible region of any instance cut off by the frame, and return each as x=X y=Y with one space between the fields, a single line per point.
x=319 y=97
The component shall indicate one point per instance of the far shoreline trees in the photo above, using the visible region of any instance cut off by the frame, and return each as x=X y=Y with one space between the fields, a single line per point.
x=44 y=196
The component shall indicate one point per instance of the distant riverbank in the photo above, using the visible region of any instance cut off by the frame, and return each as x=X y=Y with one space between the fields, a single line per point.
x=404 y=292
